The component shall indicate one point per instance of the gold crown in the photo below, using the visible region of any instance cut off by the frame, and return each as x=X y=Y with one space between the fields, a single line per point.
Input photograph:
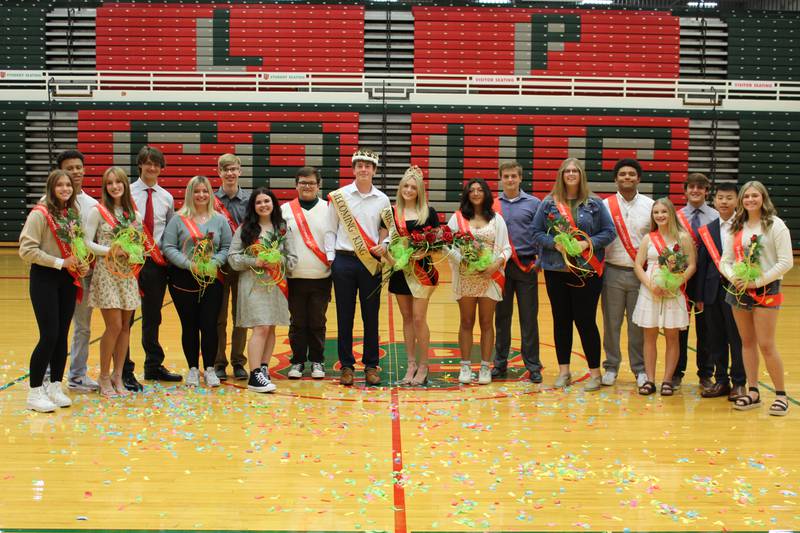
x=365 y=155
x=413 y=172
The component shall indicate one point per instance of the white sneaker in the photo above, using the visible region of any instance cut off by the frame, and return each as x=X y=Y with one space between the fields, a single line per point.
x=317 y=370
x=83 y=383
x=193 y=378
x=641 y=379
x=296 y=371
x=465 y=376
x=260 y=383
x=485 y=375
x=593 y=384
x=609 y=378
x=39 y=402
x=563 y=380
x=211 y=378
x=56 y=395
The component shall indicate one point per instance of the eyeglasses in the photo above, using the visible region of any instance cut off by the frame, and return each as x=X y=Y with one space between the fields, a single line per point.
x=228 y=170
x=307 y=183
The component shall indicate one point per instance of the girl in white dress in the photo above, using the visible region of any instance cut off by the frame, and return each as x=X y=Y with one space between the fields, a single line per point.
x=756 y=311
x=480 y=290
x=657 y=308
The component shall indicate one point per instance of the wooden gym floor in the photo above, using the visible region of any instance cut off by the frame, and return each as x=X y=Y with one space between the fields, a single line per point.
x=316 y=456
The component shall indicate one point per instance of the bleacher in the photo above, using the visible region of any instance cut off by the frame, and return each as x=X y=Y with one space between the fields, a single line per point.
x=452 y=143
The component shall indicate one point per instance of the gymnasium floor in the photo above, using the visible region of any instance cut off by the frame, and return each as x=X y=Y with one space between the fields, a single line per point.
x=316 y=456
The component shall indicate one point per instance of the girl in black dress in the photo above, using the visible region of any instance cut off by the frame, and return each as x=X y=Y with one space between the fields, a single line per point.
x=413 y=285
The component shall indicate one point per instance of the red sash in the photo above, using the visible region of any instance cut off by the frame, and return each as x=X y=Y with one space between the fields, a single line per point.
x=658 y=242
x=62 y=247
x=219 y=206
x=463 y=225
x=622 y=229
x=591 y=259
x=688 y=227
x=155 y=251
x=710 y=245
x=428 y=279
x=497 y=206
x=305 y=231
x=766 y=300
x=197 y=236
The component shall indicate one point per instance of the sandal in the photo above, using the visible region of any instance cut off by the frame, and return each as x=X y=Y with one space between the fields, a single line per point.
x=780 y=407
x=667 y=389
x=747 y=402
x=421 y=377
x=410 y=372
x=647 y=388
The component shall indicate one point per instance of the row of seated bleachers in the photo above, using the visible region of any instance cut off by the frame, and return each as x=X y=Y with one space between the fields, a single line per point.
x=557 y=42
x=13 y=208
x=763 y=47
x=454 y=147
x=22 y=38
x=277 y=38
x=272 y=145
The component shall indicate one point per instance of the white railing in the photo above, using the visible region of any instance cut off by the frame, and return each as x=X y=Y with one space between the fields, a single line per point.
x=89 y=83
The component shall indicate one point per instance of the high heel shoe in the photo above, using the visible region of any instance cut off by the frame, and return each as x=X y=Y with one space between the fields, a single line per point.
x=106 y=388
x=408 y=379
x=423 y=380
x=120 y=389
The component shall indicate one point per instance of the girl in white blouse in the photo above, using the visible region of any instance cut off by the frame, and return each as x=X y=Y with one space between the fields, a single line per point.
x=756 y=310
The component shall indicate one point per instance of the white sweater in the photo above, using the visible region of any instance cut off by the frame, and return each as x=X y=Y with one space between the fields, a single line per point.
x=308 y=265
x=776 y=255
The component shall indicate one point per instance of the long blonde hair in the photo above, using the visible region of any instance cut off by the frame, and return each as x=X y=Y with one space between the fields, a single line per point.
x=768 y=210
x=674 y=229
x=188 y=201
x=559 y=192
x=414 y=174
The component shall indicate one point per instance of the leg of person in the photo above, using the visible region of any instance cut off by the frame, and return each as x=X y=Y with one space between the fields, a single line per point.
x=108 y=342
x=121 y=348
x=528 y=311
x=405 y=303
x=369 y=296
x=683 y=357
x=65 y=302
x=258 y=382
x=747 y=331
x=467 y=306
x=737 y=374
x=614 y=301
x=584 y=305
x=670 y=360
x=221 y=359
x=269 y=348
x=188 y=309
x=765 y=321
x=635 y=333
x=504 y=312
x=486 y=308
x=345 y=287
x=207 y=323
x=239 y=335
x=423 y=334
x=717 y=340
x=153 y=280
x=299 y=308
x=650 y=356
x=317 y=307
x=561 y=307
x=81 y=335
x=705 y=364
x=42 y=285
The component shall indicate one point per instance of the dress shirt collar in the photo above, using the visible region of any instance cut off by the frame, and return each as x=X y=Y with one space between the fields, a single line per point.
x=240 y=194
x=353 y=191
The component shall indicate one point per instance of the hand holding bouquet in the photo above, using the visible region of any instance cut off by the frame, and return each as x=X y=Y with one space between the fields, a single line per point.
x=668 y=276
x=128 y=247
x=70 y=232
x=475 y=257
x=419 y=244
x=269 y=268
x=568 y=243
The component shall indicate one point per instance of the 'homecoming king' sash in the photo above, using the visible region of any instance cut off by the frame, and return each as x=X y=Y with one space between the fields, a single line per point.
x=420 y=281
x=361 y=241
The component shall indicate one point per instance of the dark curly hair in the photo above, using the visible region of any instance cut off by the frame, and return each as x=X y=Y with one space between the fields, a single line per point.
x=251 y=229
x=466 y=206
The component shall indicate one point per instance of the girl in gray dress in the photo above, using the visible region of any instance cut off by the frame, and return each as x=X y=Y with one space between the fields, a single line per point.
x=263 y=289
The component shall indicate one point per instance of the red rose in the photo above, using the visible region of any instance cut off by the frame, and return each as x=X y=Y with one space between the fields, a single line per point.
x=754 y=238
x=676 y=248
x=282 y=231
x=551 y=216
x=417 y=237
x=430 y=237
x=125 y=214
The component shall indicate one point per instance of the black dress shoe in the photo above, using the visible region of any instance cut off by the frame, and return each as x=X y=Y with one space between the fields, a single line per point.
x=536 y=376
x=162 y=374
x=499 y=372
x=239 y=373
x=716 y=390
x=131 y=383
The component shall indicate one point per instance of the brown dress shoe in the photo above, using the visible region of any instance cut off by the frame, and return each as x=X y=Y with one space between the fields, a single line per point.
x=372 y=376
x=705 y=384
x=716 y=390
x=346 y=377
x=736 y=391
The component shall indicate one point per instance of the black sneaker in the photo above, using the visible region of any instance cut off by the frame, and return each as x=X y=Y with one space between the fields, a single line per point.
x=222 y=375
x=499 y=372
x=259 y=382
x=536 y=376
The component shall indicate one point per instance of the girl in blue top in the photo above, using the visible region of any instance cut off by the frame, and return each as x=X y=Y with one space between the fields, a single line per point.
x=574 y=289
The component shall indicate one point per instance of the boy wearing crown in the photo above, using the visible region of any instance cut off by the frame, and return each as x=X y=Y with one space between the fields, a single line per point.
x=354 y=245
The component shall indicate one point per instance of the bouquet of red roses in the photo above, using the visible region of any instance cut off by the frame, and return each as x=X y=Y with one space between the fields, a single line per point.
x=418 y=244
x=475 y=257
x=672 y=263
